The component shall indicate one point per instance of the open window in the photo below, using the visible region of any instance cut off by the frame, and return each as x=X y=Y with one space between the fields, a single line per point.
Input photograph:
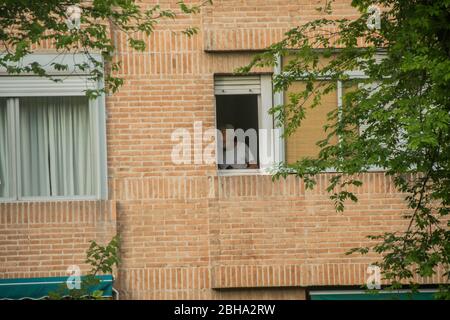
x=246 y=140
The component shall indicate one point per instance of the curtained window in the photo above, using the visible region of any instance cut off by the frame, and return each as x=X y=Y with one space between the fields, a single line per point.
x=55 y=149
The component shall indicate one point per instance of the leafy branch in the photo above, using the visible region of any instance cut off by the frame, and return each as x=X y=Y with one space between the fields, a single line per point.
x=102 y=259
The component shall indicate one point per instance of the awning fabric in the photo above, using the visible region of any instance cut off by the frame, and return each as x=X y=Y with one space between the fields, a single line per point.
x=364 y=295
x=39 y=288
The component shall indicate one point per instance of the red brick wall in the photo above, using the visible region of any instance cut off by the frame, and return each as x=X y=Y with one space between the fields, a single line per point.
x=276 y=234
x=187 y=233
x=203 y=233
x=43 y=239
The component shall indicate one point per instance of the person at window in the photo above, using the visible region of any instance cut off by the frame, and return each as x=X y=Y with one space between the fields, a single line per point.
x=235 y=152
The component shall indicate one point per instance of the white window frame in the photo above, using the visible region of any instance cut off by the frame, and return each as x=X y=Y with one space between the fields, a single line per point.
x=74 y=84
x=265 y=121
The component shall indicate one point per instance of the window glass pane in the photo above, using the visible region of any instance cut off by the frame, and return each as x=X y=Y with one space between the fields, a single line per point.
x=5 y=160
x=56 y=156
x=236 y=112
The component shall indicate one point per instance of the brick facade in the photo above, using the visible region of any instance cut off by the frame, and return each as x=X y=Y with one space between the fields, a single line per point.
x=186 y=232
x=41 y=239
x=199 y=235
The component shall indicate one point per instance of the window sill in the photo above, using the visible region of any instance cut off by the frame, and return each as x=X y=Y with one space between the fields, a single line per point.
x=50 y=199
x=242 y=172
x=370 y=170
x=251 y=172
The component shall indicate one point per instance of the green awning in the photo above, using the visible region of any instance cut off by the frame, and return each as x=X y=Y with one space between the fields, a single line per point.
x=39 y=288
x=380 y=295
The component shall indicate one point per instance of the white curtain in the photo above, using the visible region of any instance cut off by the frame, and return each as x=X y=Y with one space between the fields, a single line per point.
x=5 y=188
x=55 y=147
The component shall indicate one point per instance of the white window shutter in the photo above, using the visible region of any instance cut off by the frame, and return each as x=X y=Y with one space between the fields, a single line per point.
x=224 y=85
x=74 y=82
x=26 y=86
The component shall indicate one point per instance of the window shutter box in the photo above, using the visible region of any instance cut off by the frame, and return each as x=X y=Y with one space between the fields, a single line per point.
x=74 y=82
x=26 y=86
x=237 y=85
